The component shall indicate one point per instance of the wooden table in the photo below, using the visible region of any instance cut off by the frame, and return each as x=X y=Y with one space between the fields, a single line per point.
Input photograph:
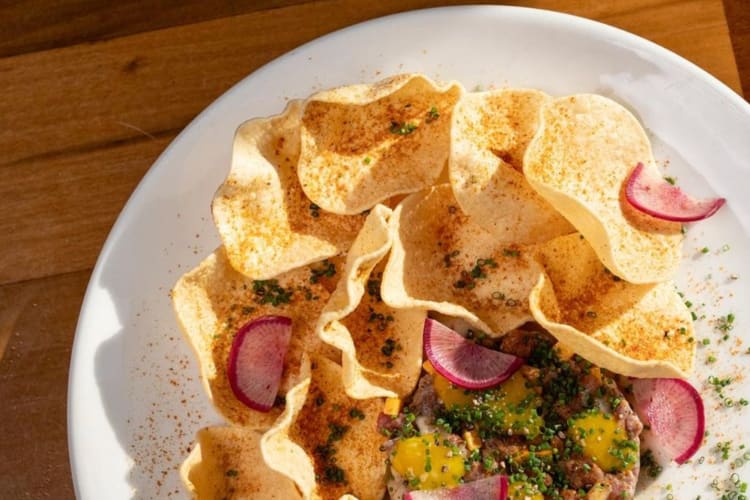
x=87 y=105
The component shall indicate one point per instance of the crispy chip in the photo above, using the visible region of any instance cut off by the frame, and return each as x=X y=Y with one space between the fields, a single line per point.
x=265 y=221
x=362 y=144
x=642 y=330
x=442 y=261
x=226 y=462
x=213 y=300
x=579 y=161
x=490 y=133
x=386 y=342
x=491 y=187
x=381 y=347
x=325 y=434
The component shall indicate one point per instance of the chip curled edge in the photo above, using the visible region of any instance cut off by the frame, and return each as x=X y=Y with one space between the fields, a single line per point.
x=579 y=161
x=442 y=261
x=490 y=133
x=226 y=462
x=637 y=330
x=381 y=347
x=362 y=144
x=326 y=442
x=213 y=300
x=265 y=221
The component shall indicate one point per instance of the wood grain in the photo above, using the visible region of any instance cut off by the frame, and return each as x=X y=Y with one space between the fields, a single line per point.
x=53 y=25
x=37 y=319
x=58 y=210
x=93 y=91
x=738 y=12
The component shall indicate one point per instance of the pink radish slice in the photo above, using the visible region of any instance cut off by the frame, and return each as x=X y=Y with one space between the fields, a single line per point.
x=465 y=363
x=650 y=193
x=256 y=360
x=673 y=410
x=491 y=488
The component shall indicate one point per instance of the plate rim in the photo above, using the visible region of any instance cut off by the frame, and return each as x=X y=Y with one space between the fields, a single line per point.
x=77 y=364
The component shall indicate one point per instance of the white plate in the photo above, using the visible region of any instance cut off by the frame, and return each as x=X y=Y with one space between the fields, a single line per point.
x=135 y=400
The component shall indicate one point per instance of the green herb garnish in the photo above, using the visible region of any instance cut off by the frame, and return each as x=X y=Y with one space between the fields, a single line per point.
x=402 y=128
x=328 y=270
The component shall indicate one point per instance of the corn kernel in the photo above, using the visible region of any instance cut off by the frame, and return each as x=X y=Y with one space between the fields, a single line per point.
x=473 y=441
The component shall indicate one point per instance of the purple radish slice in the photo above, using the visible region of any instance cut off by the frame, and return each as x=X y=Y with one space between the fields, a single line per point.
x=673 y=410
x=256 y=360
x=464 y=363
x=491 y=488
x=650 y=193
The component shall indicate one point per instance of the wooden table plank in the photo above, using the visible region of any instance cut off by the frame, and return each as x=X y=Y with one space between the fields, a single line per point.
x=59 y=209
x=738 y=17
x=37 y=319
x=51 y=24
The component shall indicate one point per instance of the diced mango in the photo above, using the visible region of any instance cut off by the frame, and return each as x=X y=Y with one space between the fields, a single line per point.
x=523 y=491
x=392 y=406
x=604 y=441
x=427 y=463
